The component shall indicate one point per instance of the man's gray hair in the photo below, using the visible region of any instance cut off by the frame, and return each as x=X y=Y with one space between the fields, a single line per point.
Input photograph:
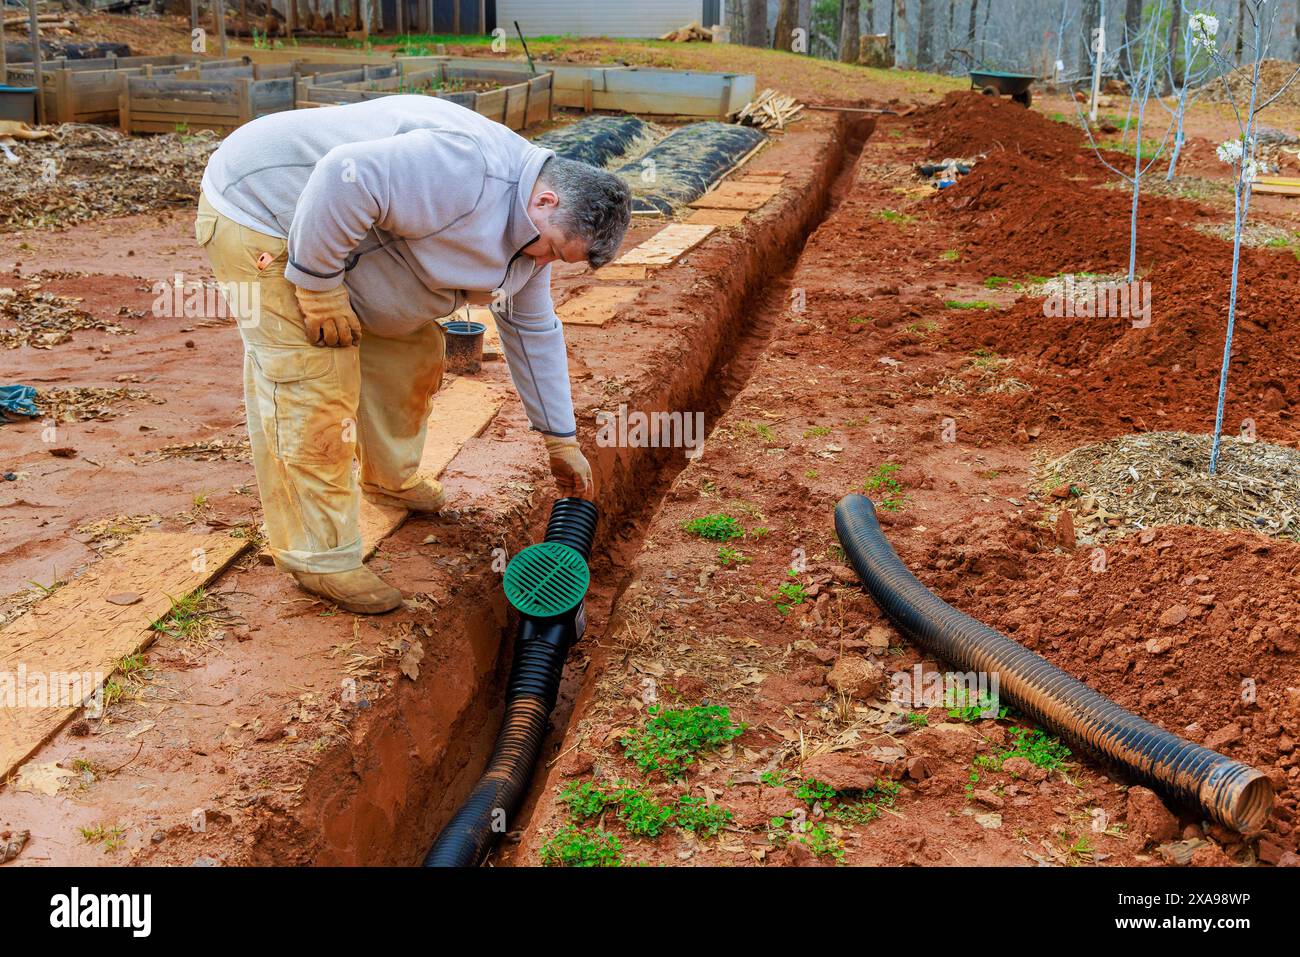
x=595 y=206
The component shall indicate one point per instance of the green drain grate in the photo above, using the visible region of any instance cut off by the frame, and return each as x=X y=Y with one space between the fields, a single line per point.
x=546 y=579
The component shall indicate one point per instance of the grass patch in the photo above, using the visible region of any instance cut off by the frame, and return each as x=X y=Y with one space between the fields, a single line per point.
x=967 y=304
x=755 y=430
x=717 y=527
x=672 y=738
x=107 y=836
x=582 y=847
x=790 y=594
x=882 y=483
x=1034 y=745
x=894 y=216
x=728 y=556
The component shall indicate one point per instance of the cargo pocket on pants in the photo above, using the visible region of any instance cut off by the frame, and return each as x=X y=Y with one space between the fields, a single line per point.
x=305 y=418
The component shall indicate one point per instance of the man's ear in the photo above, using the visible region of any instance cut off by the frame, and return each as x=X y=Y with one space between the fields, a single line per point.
x=546 y=198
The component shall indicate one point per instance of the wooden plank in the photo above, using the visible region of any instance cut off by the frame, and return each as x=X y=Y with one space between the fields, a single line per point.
x=666 y=246
x=78 y=631
x=1279 y=189
x=619 y=271
x=717 y=217
x=460 y=412
x=596 y=305
x=738 y=195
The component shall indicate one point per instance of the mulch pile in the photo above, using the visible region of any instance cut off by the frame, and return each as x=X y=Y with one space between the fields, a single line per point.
x=1273 y=74
x=90 y=172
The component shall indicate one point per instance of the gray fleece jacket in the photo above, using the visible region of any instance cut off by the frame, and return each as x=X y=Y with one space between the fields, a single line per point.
x=411 y=202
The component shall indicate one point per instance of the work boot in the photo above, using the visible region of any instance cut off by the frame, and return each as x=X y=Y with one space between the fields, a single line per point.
x=425 y=495
x=357 y=589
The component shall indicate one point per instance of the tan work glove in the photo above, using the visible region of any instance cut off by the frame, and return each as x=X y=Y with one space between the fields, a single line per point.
x=569 y=466
x=328 y=317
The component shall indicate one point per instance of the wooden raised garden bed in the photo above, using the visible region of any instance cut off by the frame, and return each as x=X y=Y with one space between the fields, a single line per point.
x=217 y=98
x=514 y=99
x=630 y=89
x=86 y=91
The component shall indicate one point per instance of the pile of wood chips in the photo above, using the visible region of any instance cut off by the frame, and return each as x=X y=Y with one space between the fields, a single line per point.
x=689 y=33
x=770 y=110
x=1142 y=481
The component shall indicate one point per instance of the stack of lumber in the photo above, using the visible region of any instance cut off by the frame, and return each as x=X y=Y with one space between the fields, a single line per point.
x=692 y=31
x=770 y=110
x=45 y=21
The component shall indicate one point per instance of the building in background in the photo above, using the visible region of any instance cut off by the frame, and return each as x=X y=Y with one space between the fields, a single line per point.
x=609 y=18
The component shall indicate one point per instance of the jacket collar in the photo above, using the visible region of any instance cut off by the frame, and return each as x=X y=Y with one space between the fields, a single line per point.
x=522 y=230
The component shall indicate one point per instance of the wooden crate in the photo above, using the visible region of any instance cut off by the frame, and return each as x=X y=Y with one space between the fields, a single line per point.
x=628 y=89
x=217 y=97
x=152 y=105
x=86 y=91
x=521 y=101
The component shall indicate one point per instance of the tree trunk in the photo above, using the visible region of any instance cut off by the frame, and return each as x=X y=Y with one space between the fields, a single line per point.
x=902 y=54
x=787 y=20
x=1295 y=47
x=970 y=25
x=1174 y=78
x=1241 y=28
x=1133 y=26
x=870 y=18
x=925 y=36
x=1088 y=21
x=849 y=12
x=755 y=23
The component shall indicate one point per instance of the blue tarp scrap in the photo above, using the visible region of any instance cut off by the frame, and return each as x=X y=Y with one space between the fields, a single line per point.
x=18 y=401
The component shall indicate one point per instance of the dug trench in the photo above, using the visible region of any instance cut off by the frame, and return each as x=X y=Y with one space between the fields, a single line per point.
x=905 y=373
x=305 y=740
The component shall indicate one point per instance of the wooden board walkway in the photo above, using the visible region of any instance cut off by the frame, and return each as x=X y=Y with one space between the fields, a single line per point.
x=72 y=640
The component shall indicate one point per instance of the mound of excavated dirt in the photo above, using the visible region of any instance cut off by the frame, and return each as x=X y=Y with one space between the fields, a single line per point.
x=968 y=123
x=1024 y=216
x=1105 y=376
x=1193 y=629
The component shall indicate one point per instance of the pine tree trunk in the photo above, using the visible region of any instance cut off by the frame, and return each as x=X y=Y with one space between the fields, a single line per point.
x=787 y=20
x=850 y=10
x=1133 y=26
x=1090 y=15
x=1173 y=77
x=756 y=23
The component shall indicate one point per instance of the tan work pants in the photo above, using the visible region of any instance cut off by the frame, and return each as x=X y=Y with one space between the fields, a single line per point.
x=314 y=412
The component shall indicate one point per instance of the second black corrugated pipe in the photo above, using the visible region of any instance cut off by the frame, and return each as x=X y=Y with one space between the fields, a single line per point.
x=1234 y=794
x=541 y=645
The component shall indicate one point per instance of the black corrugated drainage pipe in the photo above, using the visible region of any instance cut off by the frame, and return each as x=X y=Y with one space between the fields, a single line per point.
x=1234 y=794
x=547 y=583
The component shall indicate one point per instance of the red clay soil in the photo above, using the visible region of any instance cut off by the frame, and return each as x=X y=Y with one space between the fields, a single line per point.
x=251 y=726
x=834 y=393
x=1196 y=630
x=1018 y=216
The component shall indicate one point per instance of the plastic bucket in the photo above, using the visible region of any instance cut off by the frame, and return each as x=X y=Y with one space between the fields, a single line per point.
x=464 y=346
x=18 y=103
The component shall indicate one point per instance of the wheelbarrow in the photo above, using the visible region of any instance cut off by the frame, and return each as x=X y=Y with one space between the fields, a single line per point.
x=997 y=83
